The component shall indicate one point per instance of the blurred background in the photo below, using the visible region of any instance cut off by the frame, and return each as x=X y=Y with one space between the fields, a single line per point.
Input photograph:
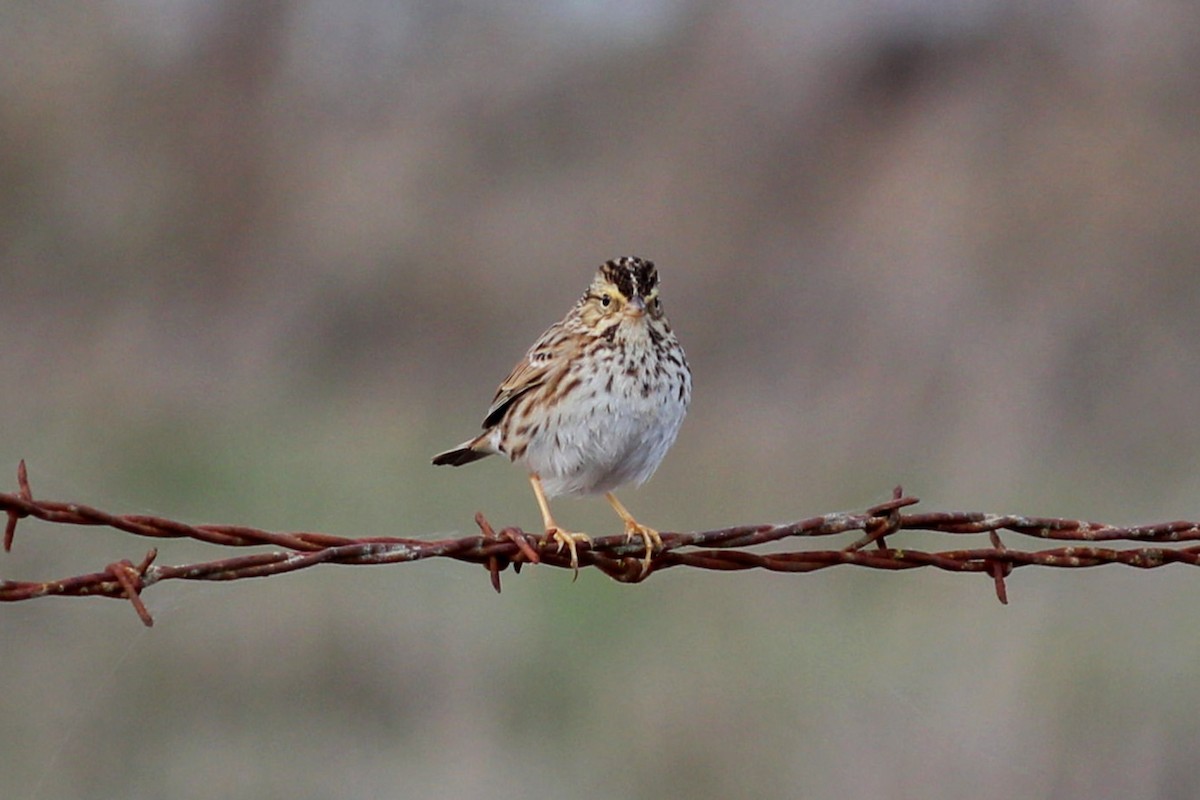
x=259 y=261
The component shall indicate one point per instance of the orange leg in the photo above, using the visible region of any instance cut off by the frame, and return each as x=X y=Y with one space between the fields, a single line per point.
x=634 y=528
x=553 y=531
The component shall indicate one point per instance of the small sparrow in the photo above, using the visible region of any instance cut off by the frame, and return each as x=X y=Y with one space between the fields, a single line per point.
x=595 y=403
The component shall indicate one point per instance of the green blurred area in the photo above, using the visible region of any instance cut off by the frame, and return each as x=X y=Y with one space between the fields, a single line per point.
x=259 y=262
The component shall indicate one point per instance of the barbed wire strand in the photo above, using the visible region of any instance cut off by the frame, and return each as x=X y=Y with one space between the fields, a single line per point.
x=725 y=549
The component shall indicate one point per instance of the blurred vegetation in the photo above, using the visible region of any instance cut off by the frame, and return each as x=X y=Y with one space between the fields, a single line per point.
x=259 y=261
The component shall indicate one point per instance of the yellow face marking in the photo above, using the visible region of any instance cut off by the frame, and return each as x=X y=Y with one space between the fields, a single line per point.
x=609 y=295
x=605 y=299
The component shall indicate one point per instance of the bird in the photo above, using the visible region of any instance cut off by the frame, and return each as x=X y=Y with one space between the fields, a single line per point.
x=594 y=404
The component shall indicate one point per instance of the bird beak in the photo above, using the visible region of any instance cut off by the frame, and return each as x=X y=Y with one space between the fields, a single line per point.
x=636 y=306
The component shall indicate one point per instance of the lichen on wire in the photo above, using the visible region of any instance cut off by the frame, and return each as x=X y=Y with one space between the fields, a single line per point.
x=725 y=549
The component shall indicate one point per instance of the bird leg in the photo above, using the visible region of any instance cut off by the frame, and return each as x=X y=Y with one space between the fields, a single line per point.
x=553 y=531
x=634 y=528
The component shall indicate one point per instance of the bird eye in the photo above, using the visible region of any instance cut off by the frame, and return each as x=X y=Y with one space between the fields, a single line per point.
x=655 y=304
x=606 y=300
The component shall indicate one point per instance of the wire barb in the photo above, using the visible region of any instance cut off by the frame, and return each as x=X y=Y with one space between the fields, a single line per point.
x=130 y=579
x=725 y=549
x=23 y=492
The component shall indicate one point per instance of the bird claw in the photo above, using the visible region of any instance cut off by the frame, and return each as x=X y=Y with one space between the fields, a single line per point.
x=649 y=536
x=569 y=539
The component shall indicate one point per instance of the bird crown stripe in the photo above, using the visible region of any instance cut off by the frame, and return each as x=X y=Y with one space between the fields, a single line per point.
x=631 y=275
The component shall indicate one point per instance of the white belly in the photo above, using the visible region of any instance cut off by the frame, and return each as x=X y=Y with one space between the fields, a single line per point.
x=605 y=439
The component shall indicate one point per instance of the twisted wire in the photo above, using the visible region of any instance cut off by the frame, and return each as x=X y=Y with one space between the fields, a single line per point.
x=724 y=549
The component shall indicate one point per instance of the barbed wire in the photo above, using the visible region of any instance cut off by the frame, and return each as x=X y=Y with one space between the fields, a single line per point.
x=725 y=549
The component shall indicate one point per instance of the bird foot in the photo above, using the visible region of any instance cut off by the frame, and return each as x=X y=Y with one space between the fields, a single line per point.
x=570 y=540
x=649 y=536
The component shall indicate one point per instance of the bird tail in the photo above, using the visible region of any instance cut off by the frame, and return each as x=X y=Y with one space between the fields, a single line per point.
x=465 y=453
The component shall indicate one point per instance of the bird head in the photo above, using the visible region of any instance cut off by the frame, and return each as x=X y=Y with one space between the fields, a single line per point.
x=624 y=289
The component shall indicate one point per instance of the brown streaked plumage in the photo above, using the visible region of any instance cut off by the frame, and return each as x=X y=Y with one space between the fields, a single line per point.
x=595 y=403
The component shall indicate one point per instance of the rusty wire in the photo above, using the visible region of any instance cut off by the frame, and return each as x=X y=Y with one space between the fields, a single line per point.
x=724 y=549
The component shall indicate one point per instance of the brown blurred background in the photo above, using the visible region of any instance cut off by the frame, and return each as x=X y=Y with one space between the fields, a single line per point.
x=259 y=261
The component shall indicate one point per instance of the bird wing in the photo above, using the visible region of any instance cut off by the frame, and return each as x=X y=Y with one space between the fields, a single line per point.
x=530 y=372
